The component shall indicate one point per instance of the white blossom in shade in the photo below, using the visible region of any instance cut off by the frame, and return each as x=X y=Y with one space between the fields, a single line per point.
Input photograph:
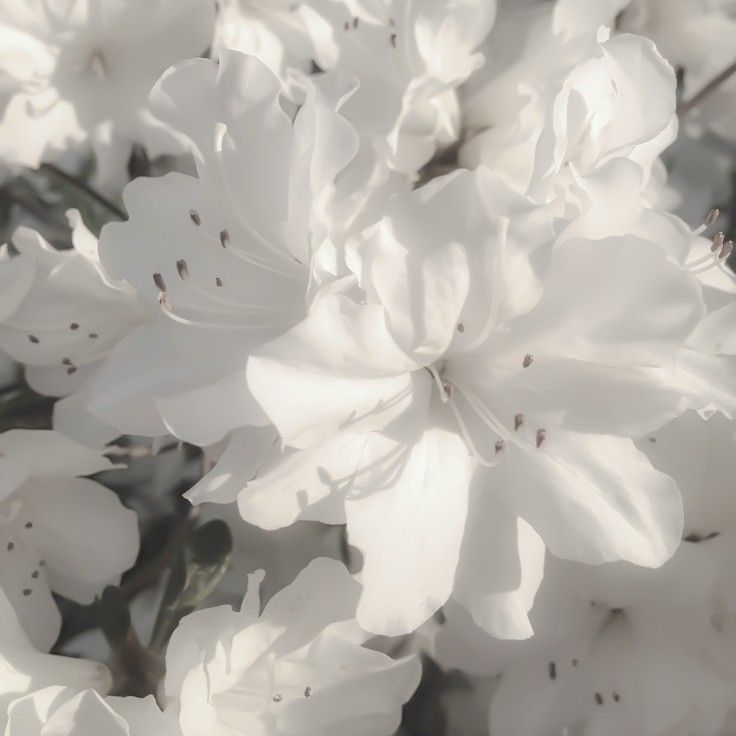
x=24 y=669
x=58 y=531
x=61 y=315
x=297 y=668
x=227 y=255
x=455 y=376
x=621 y=649
x=81 y=71
x=409 y=56
x=572 y=98
x=272 y=30
x=65 y=711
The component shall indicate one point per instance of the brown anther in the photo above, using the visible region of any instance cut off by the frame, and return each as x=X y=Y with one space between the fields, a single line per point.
x=552 y=669
x=27 y=591
x=393 y=40
x=182 y=269
x=447 y=388
x=518 y=422
x=34 y=574
x=718 y=240
x=355 y=22
x=541 y=436
x=158 y=279
x=70 y=370
x=277 y=697
x=33 y=339
x=224 y=238
x=616 y=696
x=711 y=217
x=499 y=446
x=528 y=360
x=218 y=281
x=575 y=662
x=29 y=525
x=66 y=361
x=74 y=326
x=92 y=335
x=599 y=699
x=42 y=563
x=307 y=691
x=195 y=218
x=346 y=25
x=11 y=546
x=461 y=328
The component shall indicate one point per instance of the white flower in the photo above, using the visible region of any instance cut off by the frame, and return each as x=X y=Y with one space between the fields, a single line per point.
x=66 y=711
x=409 y=57
x=82 y=72
x=58 y=531
x=461 y=377
x=573 y=99
x=298 y=668
x=60 y=316
x=272 y=30
x=24 y=669
x=625 y=650
x=228 y=255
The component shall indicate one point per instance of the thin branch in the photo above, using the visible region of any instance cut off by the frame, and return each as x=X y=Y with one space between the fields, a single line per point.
x=698 y=97
x=85 y=188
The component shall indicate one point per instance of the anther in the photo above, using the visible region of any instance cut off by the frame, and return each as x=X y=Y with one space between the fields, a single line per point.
x=307 y=691
x=616 y=696
x=33 y=339
x=158 y=279
x=27 y=591
x=718 y=240
x=346 y=25
x=711 y=217
x=92 y=335
x=552 y=667
x=66 y=361
x=461 y=328
x=11 y=546
x=500 y=445
x=34 y=574
x=29 y=525
x=277 y=698
x=224 y=238
x=218 y=281
x=183 y=269
x=71 y=370
x=98 y=66
x=393 y=40
x=726 y=250
x=599 y=699
x=356 y=20
x=541 y=436
x=74 y=326
x=195 y=218
x=528 y=360
x=518 y=422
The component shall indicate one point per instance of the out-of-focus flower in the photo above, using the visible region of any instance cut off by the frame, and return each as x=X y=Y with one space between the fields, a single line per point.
x=25 y=669
x=297 y=668
x=67 y=711
x=58 y=531
x=81 y=71
x=409 y=57
x=61 y=315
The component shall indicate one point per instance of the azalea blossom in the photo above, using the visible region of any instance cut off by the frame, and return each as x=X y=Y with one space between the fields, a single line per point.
x=26 y=670
x=58 y=531
x=515 y=401
x=298 y=667
x=70 y=712
x=61 y=315
x=226 y=258
x=80 y=73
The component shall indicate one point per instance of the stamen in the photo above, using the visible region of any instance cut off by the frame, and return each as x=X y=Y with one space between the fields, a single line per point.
x=195 y=218
x=307 y=691
x=500 y=445
x=518 y=422
x=183 y=269
x=224 y=238
x=528 y=360
x=461 y=328
x=158 y=280
x=33 y=339
x=541 y=436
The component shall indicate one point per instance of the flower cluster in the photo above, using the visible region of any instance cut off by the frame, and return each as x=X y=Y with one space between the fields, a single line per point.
x=414 y=319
